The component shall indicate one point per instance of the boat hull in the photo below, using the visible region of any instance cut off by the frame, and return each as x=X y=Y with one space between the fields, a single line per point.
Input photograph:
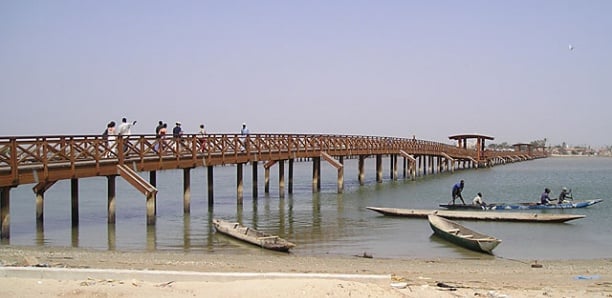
x=477 y=215
x=252 y=236
x=461 y=235
x=522 y=206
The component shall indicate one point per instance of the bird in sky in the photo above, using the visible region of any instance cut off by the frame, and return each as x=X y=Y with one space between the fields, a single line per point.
x=571 y=47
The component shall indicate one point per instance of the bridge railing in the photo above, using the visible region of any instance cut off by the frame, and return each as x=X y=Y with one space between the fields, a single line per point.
x=15 y=151
x=45 y=153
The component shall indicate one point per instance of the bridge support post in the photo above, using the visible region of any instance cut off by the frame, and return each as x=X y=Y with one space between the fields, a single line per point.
x=339 y=165
x=40 y=208
x=210 y=185
x=409 y=163
x=74 y=195
x=391 y=169
x=379 y=174
x=267 y=180
x=5 y=215
x=186 y=191
x=153 y=182
x=153 y=178
x=281 y=178
x=40 y=189
x=394 y=161
x=290 y=186
x=341 y=176
x=254 y=165
x=239 y=183
x=316 y=174
x=267 y=167
x=111 y=198
x=424 y=164
x=361 y=166
x=151 y=209
x=143 y=186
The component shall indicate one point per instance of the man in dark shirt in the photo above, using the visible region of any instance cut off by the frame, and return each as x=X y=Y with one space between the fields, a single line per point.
x=177 y=131
x=544 y=198
x=158 y=128
x=456 y=192
x=563 y=195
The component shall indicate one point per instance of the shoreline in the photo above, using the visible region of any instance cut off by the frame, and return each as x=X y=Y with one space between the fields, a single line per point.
x=28 y=271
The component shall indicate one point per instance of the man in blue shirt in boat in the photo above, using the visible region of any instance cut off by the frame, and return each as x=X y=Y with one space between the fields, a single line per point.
x=545 y=198
x=456 y=192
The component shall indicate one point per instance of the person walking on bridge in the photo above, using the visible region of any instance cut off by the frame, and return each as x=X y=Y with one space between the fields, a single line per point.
x=456 y=192
x=125 y=129
x=244 y=132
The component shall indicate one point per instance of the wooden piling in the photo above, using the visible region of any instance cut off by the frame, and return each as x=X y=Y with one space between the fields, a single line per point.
x=74 y=195
x=316 y=173
x=361 y=168
x=379 y=174
x=239 y=183
x=111 y=198
x=210 y=187
x=266 y=180
x=5 y=215
x=254 y=178
x=290 y=186
x=186 y=190
x=281 y=178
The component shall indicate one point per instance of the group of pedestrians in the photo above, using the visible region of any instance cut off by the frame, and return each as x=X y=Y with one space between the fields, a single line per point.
x=111 y=133
x=124 y=129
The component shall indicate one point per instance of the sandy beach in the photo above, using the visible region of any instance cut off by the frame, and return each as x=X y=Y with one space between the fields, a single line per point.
x=73 y=272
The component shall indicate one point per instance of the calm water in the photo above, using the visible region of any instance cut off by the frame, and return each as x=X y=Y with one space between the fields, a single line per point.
x=327 y=222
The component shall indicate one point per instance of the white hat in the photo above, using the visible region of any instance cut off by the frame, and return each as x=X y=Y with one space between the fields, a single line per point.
x=243 y=123
x=178 y=123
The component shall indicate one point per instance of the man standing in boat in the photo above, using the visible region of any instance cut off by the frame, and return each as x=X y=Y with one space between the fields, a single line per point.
x=456 y=192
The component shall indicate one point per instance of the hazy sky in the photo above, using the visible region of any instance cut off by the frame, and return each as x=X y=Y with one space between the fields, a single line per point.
x=388 y=68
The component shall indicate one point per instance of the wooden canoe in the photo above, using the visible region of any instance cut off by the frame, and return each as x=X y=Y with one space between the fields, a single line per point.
x=476 y=215
x=462 y=236
x=252 y=236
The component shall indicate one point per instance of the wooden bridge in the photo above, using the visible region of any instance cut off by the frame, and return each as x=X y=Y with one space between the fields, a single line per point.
x=44 y=160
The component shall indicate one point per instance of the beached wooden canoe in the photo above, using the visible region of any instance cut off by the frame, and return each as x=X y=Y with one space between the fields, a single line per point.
x=522 y=206
x=252 y=236
x=462 y=236
x=476 y=215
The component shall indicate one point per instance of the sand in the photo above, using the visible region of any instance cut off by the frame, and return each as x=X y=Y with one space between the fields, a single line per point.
x=74 y=272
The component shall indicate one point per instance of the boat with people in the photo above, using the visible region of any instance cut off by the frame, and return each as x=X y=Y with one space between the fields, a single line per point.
x=522 y=206
x=253 y=236
x=461 y=235
x=477 y=215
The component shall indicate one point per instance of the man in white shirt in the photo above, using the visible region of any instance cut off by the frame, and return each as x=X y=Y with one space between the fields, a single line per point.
x=125 y=128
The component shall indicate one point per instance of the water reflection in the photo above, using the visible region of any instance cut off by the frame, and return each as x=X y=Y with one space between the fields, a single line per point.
x=74 y=236
x=151 y=238
x=111 y=236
